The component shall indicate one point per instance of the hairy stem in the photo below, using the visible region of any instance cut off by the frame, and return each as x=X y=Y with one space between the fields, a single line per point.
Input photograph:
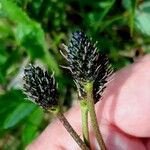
x=91 y=108
x=57 y=111
x=72 y=132
x=85 y=129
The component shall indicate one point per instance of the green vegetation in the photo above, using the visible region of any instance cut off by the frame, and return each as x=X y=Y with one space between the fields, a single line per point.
x=33 y=31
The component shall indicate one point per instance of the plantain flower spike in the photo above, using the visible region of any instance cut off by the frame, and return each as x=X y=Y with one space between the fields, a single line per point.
x=86 y=64
x=40 y=87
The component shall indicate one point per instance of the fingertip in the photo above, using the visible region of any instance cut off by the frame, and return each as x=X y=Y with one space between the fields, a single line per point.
x=126 y=101
x=118 y=140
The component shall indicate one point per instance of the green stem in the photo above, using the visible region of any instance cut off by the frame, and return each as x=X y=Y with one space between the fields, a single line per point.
x=69 y=128
x=91 y=108
x=85 y=129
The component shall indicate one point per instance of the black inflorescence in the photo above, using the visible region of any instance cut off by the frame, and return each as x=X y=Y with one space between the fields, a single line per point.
x=40 y=87
x=102 y=78
x=87 y=64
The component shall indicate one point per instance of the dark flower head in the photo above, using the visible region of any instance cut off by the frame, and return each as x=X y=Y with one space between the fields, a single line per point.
x=40 y=87
x=102 y=78
x=86 y=64
x=82 y=57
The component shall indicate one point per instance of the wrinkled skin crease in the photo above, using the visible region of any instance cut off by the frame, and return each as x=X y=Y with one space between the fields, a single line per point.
x=123 y=114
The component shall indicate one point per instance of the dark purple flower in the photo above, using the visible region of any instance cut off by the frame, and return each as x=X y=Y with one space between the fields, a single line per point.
x=87 y=64
x=40 y=87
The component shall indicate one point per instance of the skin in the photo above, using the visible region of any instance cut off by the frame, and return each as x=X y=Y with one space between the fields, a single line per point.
x=123 y=114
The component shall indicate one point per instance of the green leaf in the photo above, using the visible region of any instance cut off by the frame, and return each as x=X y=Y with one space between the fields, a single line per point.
x=130 y=5
x=25 y=29
x=143 y=18
x=13 y=108
x=32 y=126
x=132 y=15
x=97 y=17
x=19 y=113
x=4 y=29
x=28 y=33
x=29 y=134
x=126 y=4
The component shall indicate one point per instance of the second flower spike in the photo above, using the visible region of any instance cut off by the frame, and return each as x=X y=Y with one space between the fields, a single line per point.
x=86 y=64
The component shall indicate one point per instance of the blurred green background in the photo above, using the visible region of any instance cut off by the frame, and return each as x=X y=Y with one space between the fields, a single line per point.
x=33 y=31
